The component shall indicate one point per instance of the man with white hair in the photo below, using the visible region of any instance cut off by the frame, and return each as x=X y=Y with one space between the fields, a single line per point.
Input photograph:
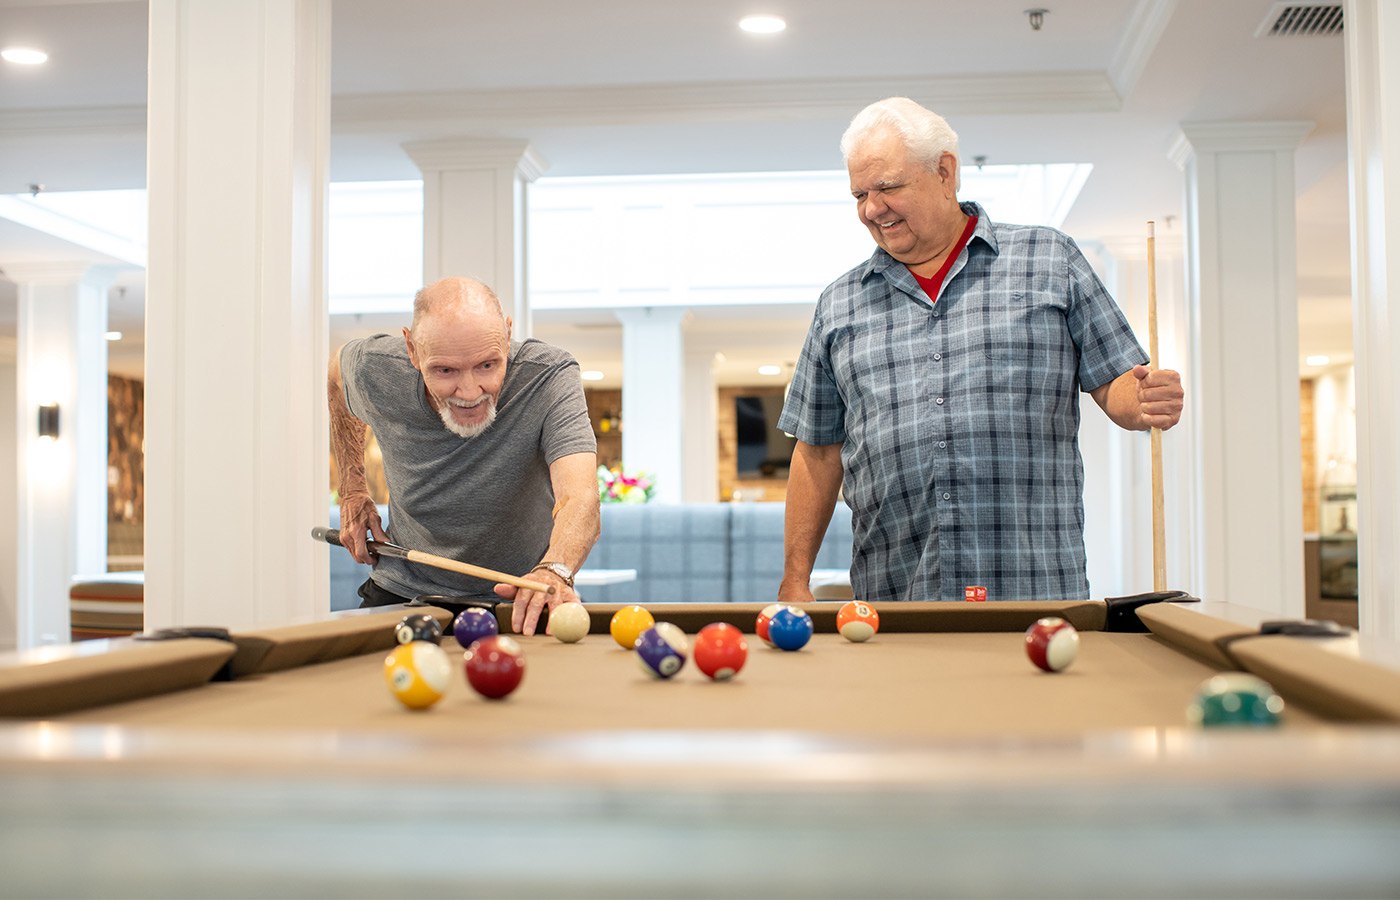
x=488 y=452
x=939 y=386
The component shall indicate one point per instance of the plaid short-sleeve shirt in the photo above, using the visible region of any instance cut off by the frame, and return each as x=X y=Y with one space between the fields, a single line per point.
x=959 y=419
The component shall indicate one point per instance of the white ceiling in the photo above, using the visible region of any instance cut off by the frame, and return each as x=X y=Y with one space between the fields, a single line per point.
x=656 y=86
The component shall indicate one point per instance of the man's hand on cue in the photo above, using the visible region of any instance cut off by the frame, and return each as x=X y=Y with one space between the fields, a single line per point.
x=1160 y=396
x=529 y=604
x=358 y=514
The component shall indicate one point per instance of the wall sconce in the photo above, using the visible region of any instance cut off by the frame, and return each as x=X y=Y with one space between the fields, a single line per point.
x=48 y=421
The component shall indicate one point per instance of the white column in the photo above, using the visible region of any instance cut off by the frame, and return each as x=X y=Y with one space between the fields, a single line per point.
x=474 y=215
x=1373 y=138
x=9 y=497
x=236 y=326
x=61 y=498
x=1242 y=272
x=653 y=396
x=699 y=429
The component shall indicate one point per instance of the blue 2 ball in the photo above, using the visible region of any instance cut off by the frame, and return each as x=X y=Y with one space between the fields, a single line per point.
x=790 y=629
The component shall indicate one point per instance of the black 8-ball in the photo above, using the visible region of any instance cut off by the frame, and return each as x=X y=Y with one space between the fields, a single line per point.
x=418 y=627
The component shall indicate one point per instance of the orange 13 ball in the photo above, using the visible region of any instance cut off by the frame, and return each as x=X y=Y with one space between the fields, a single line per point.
x=857 y=621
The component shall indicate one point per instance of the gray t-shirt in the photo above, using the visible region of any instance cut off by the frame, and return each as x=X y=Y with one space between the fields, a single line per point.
x=485 y=500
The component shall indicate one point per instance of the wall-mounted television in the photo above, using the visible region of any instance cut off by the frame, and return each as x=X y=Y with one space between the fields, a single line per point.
x=762 y=450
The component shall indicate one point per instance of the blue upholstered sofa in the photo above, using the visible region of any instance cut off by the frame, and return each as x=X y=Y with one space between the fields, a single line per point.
x=704 y=552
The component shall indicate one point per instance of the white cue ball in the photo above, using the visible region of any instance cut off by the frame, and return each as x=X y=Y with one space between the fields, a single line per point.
x=569 y=622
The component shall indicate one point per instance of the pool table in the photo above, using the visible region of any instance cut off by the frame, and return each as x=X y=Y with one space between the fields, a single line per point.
x=933 y=760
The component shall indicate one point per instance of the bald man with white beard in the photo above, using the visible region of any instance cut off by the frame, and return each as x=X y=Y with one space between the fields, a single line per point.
x=488 y=452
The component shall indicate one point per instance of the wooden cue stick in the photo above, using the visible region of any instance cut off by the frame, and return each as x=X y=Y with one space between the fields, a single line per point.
x=332 y=536
x=1159 y=527
x=451 y=565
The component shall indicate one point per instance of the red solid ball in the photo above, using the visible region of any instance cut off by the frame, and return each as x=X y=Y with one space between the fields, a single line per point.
x=720 y=650
x=761 y=624
x=494 y=666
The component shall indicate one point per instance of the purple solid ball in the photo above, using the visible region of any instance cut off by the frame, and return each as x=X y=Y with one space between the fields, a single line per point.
x=473 y=625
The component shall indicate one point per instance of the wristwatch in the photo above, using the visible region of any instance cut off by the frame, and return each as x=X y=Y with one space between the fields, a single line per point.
x=565 y=573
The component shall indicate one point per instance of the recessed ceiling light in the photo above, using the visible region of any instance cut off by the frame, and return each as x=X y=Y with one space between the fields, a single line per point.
x=25 y=56
x=1318 y=360
x=592 y=375
x=114 y=335
x=770 y=370
x=762 y=24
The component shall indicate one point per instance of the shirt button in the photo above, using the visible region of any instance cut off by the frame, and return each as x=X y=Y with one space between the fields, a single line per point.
x=939 y=401
x=937 y=356
x=947 y=496
x=942 y=445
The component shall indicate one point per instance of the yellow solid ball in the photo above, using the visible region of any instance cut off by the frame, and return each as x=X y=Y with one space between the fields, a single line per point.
x=628 y=624
x=417 y=674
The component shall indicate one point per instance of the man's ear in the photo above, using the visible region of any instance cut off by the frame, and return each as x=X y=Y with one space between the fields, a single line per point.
x=948 y=173
x=412 y=353
x=509 y=325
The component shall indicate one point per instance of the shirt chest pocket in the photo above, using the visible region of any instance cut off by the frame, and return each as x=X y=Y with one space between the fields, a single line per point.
x=1003 y=329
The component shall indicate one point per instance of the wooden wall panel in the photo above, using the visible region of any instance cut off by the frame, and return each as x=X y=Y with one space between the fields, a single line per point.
x=1311 y=516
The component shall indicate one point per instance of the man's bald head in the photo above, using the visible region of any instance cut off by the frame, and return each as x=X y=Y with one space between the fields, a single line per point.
x=456 y=298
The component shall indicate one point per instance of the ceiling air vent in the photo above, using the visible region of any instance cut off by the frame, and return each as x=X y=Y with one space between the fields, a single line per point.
x=1302 y=18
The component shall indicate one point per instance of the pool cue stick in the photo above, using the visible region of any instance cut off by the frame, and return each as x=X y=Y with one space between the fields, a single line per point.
x=1159 y=527
x=332 y=536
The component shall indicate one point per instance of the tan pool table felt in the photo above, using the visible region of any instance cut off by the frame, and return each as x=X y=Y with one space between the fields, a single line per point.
x=894 y=685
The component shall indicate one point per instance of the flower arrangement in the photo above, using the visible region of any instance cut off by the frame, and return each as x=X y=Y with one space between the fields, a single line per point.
x=616 y=486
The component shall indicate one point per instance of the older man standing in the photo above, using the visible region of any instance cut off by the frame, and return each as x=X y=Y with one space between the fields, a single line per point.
x=939 y=383
x=488 y=452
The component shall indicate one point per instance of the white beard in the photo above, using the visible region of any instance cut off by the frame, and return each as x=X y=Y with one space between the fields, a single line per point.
x=468 y=431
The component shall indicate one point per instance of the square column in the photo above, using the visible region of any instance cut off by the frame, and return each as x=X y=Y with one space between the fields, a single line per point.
x=1242 y=395
x=61 y=481
x=474 y=215
x=699 y=429
x=237 y=430
x=1373 y=143
x=653 y=396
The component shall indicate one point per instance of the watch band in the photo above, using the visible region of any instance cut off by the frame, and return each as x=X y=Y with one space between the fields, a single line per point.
x=565 y=573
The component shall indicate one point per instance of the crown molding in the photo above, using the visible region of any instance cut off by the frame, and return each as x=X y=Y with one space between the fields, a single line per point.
x=446 y=154
x=717 y=101
x=1149 y=20
x=1214 y=137
x=58 y=272
x=74 y=120
x=449 y=112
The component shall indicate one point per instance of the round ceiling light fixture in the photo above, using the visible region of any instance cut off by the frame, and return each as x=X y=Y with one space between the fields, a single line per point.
x=24 y=56
x=762 y=24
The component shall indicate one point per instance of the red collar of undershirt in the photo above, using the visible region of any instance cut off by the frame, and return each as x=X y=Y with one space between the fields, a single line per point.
x=932 y=284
